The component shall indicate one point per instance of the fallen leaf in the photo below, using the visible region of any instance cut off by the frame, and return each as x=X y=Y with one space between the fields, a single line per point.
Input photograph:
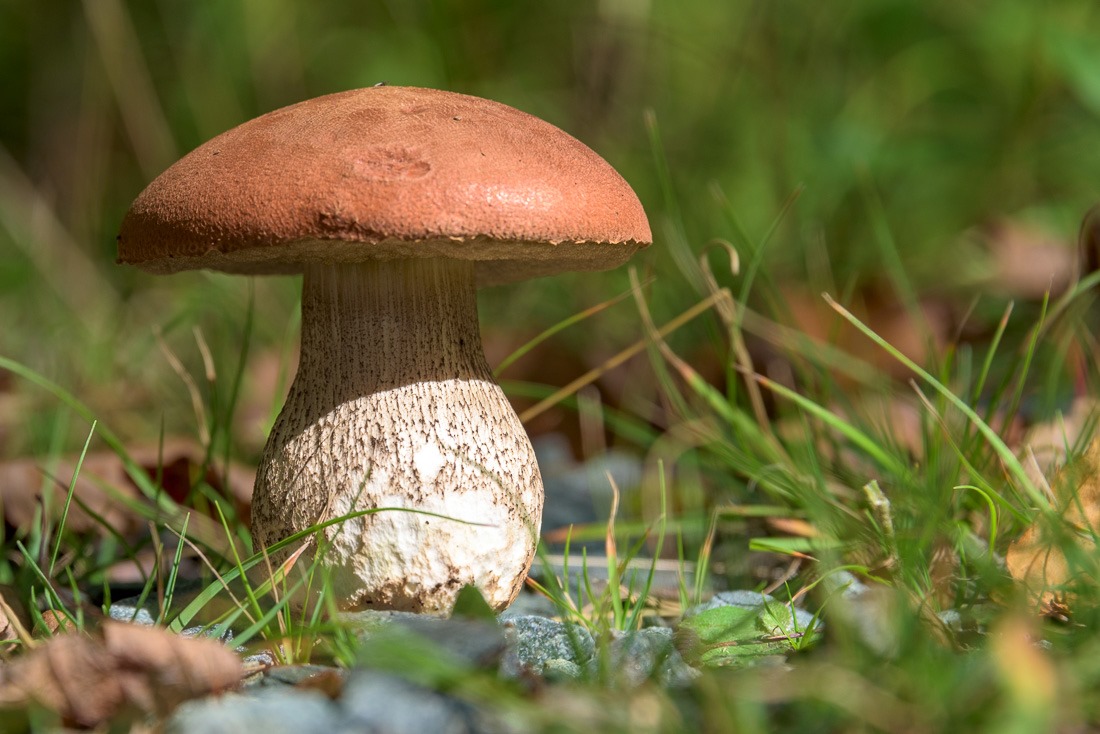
x=328 y=682
x=1029 y=262
x=736 y=635
x=1046 y=446
x=125 y=670
x=8 y=635
x=56 y=622
x=25 y=486
x=104 y=487
x=881 y=310
x=793 y=526
x=1037 y=558
x=14 y=610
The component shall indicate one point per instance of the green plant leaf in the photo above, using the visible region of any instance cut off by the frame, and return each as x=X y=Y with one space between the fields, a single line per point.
x=471 y=604
x=735 y=635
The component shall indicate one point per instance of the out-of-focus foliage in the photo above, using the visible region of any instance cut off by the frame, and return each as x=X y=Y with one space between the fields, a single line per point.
x=903 y=120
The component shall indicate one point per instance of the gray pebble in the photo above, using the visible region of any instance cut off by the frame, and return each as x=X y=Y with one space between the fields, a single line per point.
x=475 y=642
x=579 y=492
x=951 y=619
x=127 y=610
x=636 y=656
x=377 y=702
x=215 y=632
x=264 y=657
x=868 y=611
x=545 y=647
x=270 y=711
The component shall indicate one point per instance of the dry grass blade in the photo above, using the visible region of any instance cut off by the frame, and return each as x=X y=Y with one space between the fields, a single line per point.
x=1011 y=464
x=119 y=49
x=636 y=348
x=43 y=239
x=727 y=311
x=192 y=389
x=11 y=627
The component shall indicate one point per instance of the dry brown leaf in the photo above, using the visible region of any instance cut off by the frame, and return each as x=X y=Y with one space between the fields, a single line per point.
x=23 y=488
x=943 y=572
x=8 y=635
x=127 y=669
x=1045 y=446
x=103 y=486
x=1035 y=558
x=1028 y=262
x=328 y=682
x=884 y=314
x=792 y=526
x=55 y=622
x=15 y=620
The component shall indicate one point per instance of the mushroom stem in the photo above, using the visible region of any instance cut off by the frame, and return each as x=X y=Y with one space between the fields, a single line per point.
x=394 y=406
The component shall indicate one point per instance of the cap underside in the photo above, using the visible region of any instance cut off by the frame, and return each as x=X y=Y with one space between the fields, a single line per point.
x=497 y=262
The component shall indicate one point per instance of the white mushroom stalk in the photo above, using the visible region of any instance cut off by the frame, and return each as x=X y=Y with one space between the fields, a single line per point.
x=394 y=406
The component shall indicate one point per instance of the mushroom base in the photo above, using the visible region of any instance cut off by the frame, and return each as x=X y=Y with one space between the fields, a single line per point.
x=394 y=410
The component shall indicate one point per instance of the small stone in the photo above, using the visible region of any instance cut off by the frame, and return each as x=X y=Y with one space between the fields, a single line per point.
x=580 y=492
x=475 y=642
x=558 y=670
x=636 y=656
x=951 y=619
x=376 y=701
x=263 y=658
x=370 y=619
x=281 y=710
x=127 y=610
x=542 y=646
x=216 y=632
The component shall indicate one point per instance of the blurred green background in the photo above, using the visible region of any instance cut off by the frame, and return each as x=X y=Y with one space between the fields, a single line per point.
x=911 y=123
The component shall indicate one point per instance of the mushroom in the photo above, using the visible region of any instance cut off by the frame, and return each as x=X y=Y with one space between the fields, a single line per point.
x=395 y=203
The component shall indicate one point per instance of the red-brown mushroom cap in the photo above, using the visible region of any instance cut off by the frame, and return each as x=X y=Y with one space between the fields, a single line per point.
x=385 y=173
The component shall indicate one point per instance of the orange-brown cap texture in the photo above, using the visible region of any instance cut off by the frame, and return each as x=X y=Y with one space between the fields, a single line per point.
x=387 y=172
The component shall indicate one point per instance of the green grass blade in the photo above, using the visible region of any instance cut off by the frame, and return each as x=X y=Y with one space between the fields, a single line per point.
x=59 y=532
x=864 y=442
x=173 y=572
x=140 y=478
x=212 y=590
x=560 y=326
x=1011 y=463
x=987 y=364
